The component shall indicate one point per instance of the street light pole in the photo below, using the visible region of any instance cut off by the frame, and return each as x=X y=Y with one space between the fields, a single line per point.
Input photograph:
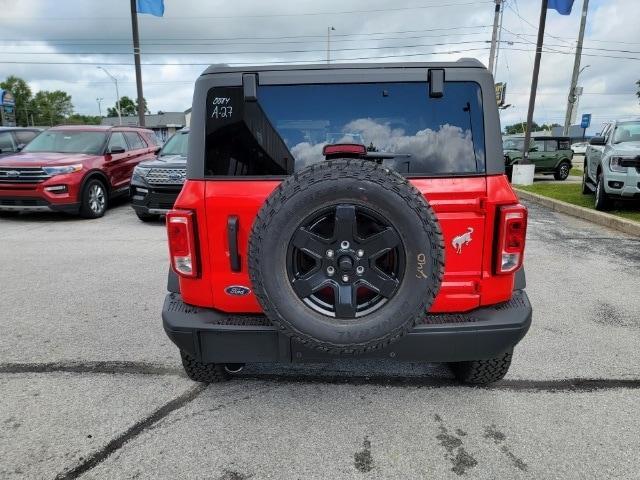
x=494 y=35
x=115 y=80
x=99 y=100
x=329 y=44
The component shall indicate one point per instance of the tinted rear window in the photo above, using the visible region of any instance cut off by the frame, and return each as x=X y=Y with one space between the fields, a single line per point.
x=399 y=124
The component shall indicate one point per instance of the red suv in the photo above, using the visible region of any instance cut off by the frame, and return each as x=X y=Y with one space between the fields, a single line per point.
x=74 y=169
x=346 y=210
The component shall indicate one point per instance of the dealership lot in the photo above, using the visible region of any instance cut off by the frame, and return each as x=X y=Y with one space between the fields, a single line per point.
x=92 y=388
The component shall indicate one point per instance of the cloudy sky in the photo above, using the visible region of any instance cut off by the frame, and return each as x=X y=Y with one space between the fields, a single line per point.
x=59 y=44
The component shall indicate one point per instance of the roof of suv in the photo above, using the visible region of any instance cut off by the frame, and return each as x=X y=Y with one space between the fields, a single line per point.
x=462 y=63
x=97 y=128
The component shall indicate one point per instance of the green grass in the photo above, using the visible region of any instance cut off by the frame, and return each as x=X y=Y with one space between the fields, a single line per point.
x=572 y=193
x=575 y=172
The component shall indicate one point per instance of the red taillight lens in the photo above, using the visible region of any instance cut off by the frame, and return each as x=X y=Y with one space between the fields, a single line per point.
x=182 y=242
x=512 y=232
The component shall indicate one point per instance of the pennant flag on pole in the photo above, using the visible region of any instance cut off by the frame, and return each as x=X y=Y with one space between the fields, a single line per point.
x=153 y=7
x=562 y=6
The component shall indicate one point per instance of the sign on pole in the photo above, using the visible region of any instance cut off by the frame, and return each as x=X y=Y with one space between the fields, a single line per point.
x=586 y=121
x=501 y=92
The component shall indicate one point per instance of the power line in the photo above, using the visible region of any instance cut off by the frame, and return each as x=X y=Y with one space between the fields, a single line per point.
x=266 y=15
x=261 y=38
x=249 y=52
x=311 y=62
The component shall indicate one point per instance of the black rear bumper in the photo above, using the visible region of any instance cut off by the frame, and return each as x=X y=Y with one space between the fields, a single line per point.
x=211 y=336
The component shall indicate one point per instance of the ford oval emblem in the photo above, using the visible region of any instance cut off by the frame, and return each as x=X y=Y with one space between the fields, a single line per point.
x=237 y=290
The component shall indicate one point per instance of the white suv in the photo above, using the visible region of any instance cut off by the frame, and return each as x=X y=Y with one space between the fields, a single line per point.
x=612 y=163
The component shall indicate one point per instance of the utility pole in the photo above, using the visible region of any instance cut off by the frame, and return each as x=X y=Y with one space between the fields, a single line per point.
x=576 y=70
x=329 y=29
x=495 y=63
x=136 y=57
x=494 y=34
x=534 y=81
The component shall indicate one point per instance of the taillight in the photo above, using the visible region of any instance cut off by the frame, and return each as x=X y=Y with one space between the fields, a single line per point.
x=182 y=242
x=512 y=232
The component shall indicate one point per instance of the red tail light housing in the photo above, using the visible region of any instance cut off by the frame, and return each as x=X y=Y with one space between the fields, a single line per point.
x=181 y=232
x=512 y=232
x=339 y=149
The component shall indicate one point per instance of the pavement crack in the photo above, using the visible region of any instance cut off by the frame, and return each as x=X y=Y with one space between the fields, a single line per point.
x=109 y=367
x=101 y=455
x=552 y=386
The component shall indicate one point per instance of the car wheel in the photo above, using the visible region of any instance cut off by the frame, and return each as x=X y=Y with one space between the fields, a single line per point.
x=482 y=372
x=204 y=372
x=147 y=217
x=562 y=172
x=346 y=256
x=94 y=199
x=602 y=201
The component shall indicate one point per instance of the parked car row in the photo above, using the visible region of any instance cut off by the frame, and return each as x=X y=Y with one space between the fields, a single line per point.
x=80 y=169
x=612 y=164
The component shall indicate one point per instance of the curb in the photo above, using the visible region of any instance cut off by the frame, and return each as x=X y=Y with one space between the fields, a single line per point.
x=593 y=216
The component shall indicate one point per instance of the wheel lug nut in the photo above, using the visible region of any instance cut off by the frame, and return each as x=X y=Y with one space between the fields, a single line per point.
x=330 y=253
x=360 y=253
x=360 y=270
x=331 y=270
x=344 y=244
x=345 y=278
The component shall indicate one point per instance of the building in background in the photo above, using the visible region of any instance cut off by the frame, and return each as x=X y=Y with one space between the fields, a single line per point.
x=164 y=124
x=187 y=116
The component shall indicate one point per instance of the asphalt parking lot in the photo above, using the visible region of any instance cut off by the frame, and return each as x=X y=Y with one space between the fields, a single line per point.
x=92 y=388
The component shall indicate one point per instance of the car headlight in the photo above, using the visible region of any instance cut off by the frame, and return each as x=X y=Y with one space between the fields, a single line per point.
x=140 y=172
x=615 y=164
x=63 y=169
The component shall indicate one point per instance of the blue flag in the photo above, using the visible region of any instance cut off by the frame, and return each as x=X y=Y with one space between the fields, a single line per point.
x=562 y=6
x=154 y=7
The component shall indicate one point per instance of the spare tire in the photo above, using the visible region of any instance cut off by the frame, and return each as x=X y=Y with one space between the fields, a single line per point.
x=346 y=256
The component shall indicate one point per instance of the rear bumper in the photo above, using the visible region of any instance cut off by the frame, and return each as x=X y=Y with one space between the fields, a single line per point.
x=211 y=336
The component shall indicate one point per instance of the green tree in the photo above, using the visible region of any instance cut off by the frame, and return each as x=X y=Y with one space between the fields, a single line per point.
x=519 y=127
x=78 y=119
x=22 y=94
x=128 y=107
x=51 y=108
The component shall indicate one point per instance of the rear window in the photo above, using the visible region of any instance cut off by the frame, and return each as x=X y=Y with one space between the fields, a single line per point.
x=401 y=126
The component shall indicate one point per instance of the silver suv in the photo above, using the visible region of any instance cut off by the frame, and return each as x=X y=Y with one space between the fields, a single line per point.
x=612 y=163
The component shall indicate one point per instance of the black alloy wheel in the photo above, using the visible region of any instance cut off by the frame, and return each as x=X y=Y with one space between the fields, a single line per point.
x=345 y=261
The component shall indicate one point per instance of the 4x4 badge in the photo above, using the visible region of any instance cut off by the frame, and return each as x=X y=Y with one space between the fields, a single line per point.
x=461 y=240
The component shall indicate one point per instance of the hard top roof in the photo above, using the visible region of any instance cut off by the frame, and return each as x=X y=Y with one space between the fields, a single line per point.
x=462 y=63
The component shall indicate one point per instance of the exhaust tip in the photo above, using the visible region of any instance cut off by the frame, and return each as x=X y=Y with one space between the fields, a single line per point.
x=233 y=367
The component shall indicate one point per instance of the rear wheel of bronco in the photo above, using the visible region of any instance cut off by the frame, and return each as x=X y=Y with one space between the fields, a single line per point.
x=482 y=372
x=346 y=256
x=562 y=172
x=204 y=372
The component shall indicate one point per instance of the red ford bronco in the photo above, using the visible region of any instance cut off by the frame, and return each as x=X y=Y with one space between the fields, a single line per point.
x=346 y=210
